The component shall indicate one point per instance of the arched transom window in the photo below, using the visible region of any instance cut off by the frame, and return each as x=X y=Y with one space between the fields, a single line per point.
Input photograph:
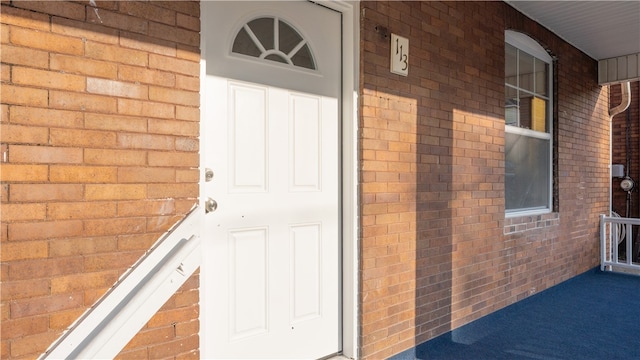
x=273 y=39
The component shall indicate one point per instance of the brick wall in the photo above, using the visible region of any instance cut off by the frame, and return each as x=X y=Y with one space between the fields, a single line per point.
x=100 y=111
x=437 y=251
x=620 y=149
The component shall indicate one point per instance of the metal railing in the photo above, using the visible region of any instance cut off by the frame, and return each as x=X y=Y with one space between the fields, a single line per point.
x=619 y=250
x=108 y=325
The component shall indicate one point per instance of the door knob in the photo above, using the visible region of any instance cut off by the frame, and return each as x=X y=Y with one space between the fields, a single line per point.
x=210 y=205
x=208 y=174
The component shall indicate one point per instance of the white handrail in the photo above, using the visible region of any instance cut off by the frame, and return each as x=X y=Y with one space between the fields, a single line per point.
x=106 y=328
x=614 y=230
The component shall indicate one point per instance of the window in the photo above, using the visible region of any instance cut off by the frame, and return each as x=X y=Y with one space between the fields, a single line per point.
x=528 y=125
x=273 y=39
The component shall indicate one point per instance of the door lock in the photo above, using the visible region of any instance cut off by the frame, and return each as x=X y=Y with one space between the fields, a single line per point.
x=210 y=205
x=208 y=174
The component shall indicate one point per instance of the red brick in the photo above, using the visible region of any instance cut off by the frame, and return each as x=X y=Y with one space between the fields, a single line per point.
x=114 y=157
x=137 y=241
x=188 y=175
x=62 y=320
x=138 y=353
x=117 y=20
x=150 y=12
x=146 y=109
x=4 y=34
x=15 y=329
x=115 y=54
x=25 y=56
x=24 y=18
x=17 y=290
x=190 y=53
x=22 y=212
x=102 y=262
x=146 y=76
x=5 y=73
x=45 y=305
x=64 y=9
x=146 y=175
x=187 y=113
x=184 y=67
x=188 y=83
x=44 y=154
x=185 y=7
x=44 y=267
x=173 y=159
x=23 y=134
x=164 y=318
x=145 y=141
x=81 y=29
x=115 y=226
x=117 y=88
x=188 y=22
x=80 y=210
x=115 y=122
x=83 y=66
x=45 y=192
x=47 y=41
x=175 y=347
x=24 y=250
x=149 y=207
x=172 y=96
x=26 y=346
x=77 y=282
x=162 y=223
x=45 y=117
x=23 y=173
x=83 y=138
x=115 y=192
x=148 y=44
x=173 y=190
x=151 y=336
x=44 y=230
x=175 y=127
x=19 y=95
x=81 y=101
x=174 y=34
x=82 y=174
x=187 y=144
x=65 y=248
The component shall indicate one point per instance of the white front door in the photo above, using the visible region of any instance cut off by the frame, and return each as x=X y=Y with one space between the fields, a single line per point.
x=270 y=111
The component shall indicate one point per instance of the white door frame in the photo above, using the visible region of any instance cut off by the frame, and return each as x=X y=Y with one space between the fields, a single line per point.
x=349 y=157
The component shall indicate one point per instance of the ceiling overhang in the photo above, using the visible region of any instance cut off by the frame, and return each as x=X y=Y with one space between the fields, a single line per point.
x=607 y=31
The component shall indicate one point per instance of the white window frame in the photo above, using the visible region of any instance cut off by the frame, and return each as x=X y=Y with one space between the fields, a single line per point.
x=526 y=44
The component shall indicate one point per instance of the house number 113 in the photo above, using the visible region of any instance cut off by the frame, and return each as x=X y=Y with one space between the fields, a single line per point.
x=399 y=55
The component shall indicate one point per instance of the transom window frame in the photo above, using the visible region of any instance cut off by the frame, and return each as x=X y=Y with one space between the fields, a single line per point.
x=528 y=45
x=266 y=54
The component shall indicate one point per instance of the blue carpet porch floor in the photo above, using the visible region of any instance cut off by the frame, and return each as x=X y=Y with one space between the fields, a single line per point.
x=595 y=315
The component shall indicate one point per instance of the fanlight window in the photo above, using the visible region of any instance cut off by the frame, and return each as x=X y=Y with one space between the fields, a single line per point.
x=273 y=39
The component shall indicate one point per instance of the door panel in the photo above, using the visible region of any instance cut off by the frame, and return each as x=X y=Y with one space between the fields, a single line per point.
x=270 y=278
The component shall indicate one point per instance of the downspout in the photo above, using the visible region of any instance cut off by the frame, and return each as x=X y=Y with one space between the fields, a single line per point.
x=624 y=104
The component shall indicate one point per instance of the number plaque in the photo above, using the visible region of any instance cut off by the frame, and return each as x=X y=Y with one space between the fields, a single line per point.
x=399 y=55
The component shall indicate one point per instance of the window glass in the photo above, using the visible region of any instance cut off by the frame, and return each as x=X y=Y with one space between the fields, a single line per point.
x=527 y=172
x=243 y=44
x=511 y=65
x=273 y=39
x=288 y=38
x=511 y=105
x=541 y=72
x=263 y=30
x=528 y=140
x=525 y=71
